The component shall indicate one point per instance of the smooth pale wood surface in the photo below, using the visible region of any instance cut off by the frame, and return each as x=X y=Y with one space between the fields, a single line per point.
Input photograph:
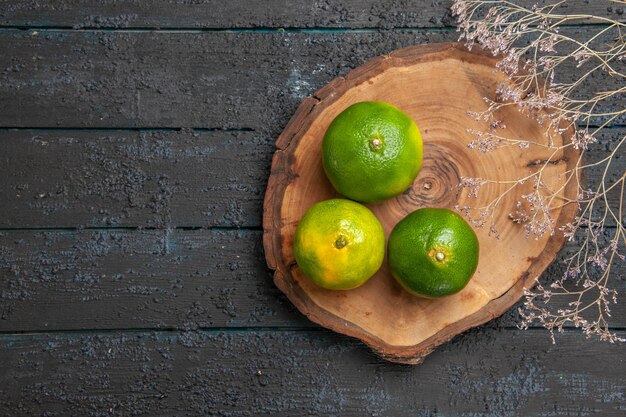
x=436 y=85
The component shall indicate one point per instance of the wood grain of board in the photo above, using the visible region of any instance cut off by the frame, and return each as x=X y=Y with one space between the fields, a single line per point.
x=398 y=326
x=315 y=373
x=64 y=78
x=353 y=14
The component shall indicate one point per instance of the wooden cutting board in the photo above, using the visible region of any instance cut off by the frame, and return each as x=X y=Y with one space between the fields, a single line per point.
x=436 y=84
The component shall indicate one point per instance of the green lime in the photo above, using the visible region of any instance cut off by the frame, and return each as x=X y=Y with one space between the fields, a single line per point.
x=372 y=151
x=339 y=244
x=433 y=252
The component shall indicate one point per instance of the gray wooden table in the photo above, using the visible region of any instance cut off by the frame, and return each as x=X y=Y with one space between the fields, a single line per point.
x=135 y=144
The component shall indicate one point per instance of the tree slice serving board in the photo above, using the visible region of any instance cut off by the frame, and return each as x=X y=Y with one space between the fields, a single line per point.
x=436 y=84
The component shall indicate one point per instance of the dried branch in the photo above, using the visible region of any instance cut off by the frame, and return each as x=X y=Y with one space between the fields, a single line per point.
x=536 y=43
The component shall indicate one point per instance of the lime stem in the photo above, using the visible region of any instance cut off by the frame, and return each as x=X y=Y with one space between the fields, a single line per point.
x=341 y=242
x=375 y=144
x=440 y=256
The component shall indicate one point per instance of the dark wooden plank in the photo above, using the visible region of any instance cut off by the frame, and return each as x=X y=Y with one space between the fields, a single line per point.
x=181 y=79
x=244 y=14
x=137 y=279
x=154 y=279
x=216 y=14
x=68 y=179
x=57 y=78
x=128 y=178
x=483 y=373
